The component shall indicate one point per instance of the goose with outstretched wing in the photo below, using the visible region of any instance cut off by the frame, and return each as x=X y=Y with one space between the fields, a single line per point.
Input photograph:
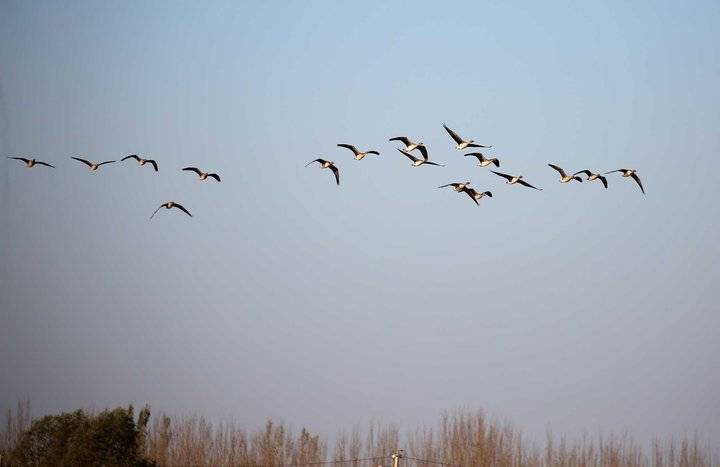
x=629 y=173
x=410 y=145
x=93 y=166
x=482 y=160
x=359 y=155
x=170 y=205
x=513 y=179
x=476 y=195
x=593 y=176
x=202 y=175
x=141 y=161
x=325 y=164
x=463 y=143
x=416 y=162
x=30 y=163
x=564 y=178
x=457 y=186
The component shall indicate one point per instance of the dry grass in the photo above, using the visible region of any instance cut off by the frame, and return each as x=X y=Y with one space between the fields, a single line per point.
x=462 y=439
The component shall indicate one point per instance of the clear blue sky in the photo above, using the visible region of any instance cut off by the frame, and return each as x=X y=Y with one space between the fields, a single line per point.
x=574 y=308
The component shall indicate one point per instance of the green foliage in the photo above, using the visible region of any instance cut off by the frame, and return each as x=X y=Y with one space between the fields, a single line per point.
x=110 y=438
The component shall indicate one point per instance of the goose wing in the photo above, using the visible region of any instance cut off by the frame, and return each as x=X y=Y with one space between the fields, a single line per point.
x=373 y=152
x=84 y=161
x=505 y=176
x=423 y=151
x=408 y=155
x=153 y=163
x=44 y=163
x=603 y=180
x=403 y=139
x=27 y=161
x=471 y=193
x=637 y=179
x=131 y=156
x=618 y=170
x=561 y=171
x=335 y=171
x=106 y=162
x=350 y=147
x=477 y=155
x=495 y=161
x=449 y=184
x=215 y=176
x=193 y=169
x=433 y=163
x=155 y=212
x=475 y=145
x=586 y=172
x=453 y=135
x=488 y=193
x=321 y=161
x=182 y=208
x=523 y=182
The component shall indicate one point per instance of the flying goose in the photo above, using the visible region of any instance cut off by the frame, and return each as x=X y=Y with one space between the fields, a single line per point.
x=170 y=205
x=409 y=145
x=202 y=175
x=482 y=160
x=629 y=173
x=476 y=195
x=91 y=165
x=513 y=179
x=417 y=162
x=593 y=176
x=141 y=161
x=31 y=162
x=564 y=178
x=462 y=143
x=359 y=155
x=327 y=165
x=457 y=186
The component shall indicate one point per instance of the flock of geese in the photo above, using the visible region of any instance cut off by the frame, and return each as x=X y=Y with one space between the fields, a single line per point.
x=483 y=161
x=410 y=146
x=94 y=166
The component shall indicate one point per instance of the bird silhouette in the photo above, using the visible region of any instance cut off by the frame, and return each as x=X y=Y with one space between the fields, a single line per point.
x=202 y=175
x=324 y=164
x=170 y=205
x=141 y=161
x=91 y=165
x=463 y=143
x=630 y=173
x=513 y=179
x=30 y=163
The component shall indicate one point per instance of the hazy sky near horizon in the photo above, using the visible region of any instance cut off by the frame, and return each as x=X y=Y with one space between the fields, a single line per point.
x=576 y=308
